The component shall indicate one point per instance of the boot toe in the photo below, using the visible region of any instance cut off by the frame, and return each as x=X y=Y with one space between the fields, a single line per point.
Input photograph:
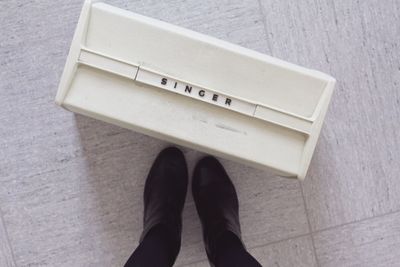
x=209 y=171
x=168 y=177
x=171 y=155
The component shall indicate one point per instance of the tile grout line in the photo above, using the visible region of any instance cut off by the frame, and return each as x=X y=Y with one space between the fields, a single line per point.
x=7 y=239
x=312 y=233
x=278 y=241
x=356 y=221
x=309 y=225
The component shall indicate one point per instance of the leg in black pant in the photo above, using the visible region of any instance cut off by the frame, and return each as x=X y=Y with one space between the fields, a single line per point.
x=153 y=250
x=218 y=208
x=164 y=196
x=232 y=253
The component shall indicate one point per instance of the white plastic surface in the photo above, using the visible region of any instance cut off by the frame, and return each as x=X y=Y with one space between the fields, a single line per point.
x=194 y=90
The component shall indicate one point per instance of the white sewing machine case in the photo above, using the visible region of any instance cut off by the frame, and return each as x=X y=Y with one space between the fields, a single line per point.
x=194 y=90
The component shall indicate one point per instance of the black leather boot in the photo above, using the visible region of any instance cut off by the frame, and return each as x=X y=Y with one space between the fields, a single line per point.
x=164 y=196
x=216 y=202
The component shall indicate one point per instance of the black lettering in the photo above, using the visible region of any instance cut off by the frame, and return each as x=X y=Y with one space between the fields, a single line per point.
x=215 y=97
x=164 y=81
x=201 y=93
x=175 y=84
x=188 y=89
x=228 y=101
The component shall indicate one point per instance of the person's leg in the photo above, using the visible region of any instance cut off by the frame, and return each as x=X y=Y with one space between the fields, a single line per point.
x=230 y=252
x=153 y=251
x=164 y=197
x=218 y=208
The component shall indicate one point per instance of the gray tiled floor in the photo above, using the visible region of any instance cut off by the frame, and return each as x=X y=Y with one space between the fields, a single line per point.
x=294 y=252
x=371 y=242
x=71 y=187
x=358 y=155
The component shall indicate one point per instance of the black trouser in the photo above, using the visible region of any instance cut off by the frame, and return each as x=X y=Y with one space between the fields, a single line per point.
x=154 y=251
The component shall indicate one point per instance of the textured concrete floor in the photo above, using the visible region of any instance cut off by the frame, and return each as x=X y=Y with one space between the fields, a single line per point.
x=71 y=187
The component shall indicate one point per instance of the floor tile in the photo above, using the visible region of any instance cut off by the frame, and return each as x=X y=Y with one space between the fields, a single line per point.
x=6 y=256
x=288 y=253
x=354 y=171
x=292 y=252
x=373 y=242
x=69 y=205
